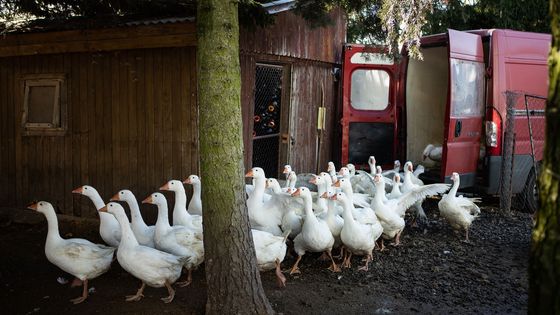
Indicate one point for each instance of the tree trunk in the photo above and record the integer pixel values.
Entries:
(234, 283)
(544, 273)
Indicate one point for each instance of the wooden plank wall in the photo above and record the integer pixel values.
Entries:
(132, 123)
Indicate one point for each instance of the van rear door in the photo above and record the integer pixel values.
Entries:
(369, 122)
(465, 106)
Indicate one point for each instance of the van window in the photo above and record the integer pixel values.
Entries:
(369, 89)
(467, 88)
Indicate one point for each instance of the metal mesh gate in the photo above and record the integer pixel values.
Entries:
(266, 120)
(525, 121)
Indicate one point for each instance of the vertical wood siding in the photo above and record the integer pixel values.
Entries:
(132, 124)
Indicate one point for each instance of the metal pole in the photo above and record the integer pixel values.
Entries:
(531, 137)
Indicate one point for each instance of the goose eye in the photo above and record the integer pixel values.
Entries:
(40, 203)
(85, 188)
(122, 192)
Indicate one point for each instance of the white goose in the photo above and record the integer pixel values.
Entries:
(357, 238)
(79, 257)
(287, 170)
(180, 214)
(153, 267)
(396, 191)
(432, 152)
(315, 234)
(109, 228)
(270, 251)
(177, 240)
(195, 205)
(259, 216)
(292, 210)
(333, 219)
(460, 212)
(143, 233)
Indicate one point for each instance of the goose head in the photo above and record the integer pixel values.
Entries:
(86, 190)
(302, 192)
(256, 172)
(371, 162)
(377, 181)
(113, 208)
(455, 176)
(326, 177)
(408, 167)
(273, 184)
(173, 185)
(339, 197)
(330, 167)
(287, 169)
(427, 151)
(123, 195)
(397, 165)
(396, 178)
(155, 199)
(378, 170)
(41, 206)
(351, 168)
(342, 183)
(191, 180)
(344, 171)
(315, 179)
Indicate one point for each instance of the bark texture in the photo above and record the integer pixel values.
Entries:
(544, 273)
(234, 283)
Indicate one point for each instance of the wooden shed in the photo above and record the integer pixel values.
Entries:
(115, 106)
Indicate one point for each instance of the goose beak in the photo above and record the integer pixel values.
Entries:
(187, 181)
(286, 171)
(164, 187)
(115, 198)
(296, 193)
(104, 209)
(313, 180)
(78, 190)
(333, 197)
(324, 195)
(266, 185)
(337, 184)
(249, 174)
(148, 199)
(410, 167)
(33, 206)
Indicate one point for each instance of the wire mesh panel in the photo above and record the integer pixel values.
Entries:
(266, 120)
(523, 148)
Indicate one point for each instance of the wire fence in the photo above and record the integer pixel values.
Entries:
(524, 135)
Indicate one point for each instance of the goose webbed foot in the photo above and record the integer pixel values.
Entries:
(171, 292)
(84, 296)
(280, 278)
(138, 296)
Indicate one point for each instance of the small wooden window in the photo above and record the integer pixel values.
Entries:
(44, 108)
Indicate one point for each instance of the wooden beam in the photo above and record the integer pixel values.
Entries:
(173, 35)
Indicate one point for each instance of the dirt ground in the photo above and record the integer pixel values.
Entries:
(433, 272)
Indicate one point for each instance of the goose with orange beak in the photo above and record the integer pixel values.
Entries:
(177, 240)
(79, 257)
(153, 267)
(315, 234)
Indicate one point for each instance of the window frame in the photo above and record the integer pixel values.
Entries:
(58, 124)
(388, 103)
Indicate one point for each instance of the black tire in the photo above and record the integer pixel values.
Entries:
(529, 195)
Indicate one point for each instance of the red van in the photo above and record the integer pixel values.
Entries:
(453, 98)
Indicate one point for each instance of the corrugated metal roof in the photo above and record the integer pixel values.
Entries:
(274, 7)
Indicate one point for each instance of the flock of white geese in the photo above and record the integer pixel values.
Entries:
(349, 209)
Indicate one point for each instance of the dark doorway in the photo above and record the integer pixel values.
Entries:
(267, 117)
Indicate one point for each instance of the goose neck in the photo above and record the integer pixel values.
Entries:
(180, 201)
(135, 213)
(127, 236)
(52, 223)
(454, 189)
(97, 201)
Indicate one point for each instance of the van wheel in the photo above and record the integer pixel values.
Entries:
(529, 194)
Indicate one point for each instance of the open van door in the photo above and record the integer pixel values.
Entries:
(369, 122)
(465, 107)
